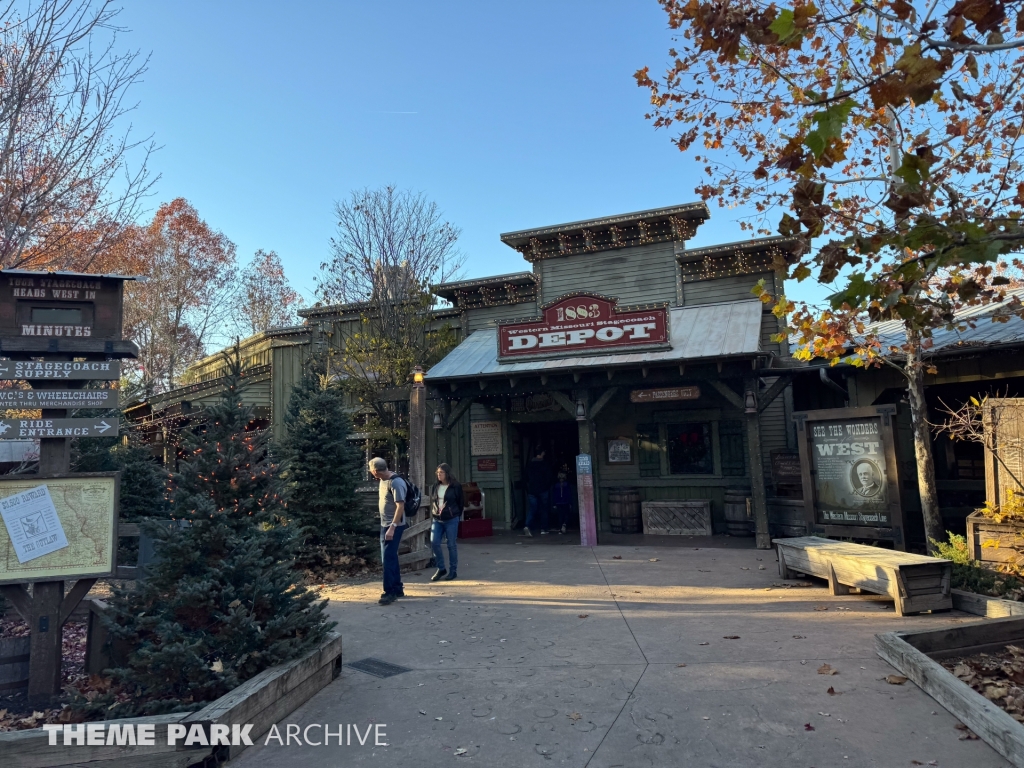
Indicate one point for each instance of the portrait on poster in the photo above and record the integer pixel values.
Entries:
(850, 474)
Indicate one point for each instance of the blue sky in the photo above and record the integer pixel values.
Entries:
(508, 115)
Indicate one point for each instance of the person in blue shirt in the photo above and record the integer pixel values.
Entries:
(562, 498)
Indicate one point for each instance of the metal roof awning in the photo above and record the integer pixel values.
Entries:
(709, 331)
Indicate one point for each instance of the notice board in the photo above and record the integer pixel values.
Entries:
(87, 507)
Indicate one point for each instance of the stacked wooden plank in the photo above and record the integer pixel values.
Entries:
(916, 583)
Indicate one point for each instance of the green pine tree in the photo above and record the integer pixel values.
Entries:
(322, 471)
(222, 602)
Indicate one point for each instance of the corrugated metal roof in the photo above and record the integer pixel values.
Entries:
(696, 333)
(985, 333)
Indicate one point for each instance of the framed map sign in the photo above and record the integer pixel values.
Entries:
(849, 472)
(56, 528)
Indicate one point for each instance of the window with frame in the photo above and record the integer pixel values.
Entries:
(690, 449)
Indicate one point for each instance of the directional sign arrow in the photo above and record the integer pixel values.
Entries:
(26, 429)
(10, 370)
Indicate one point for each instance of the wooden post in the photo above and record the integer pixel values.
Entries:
(761, 536)
(417, 534)
(44, 620)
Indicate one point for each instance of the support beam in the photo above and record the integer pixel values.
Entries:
(19, 598)
(759, 496)
(566, 402)
(45, 648)
(727, 392)
(73, 598)
(771, 393)
(602, 401)
(457, 412)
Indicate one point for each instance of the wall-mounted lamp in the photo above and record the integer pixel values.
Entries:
(417, 377)
(437, 420)
(581, 411)
(749, 402)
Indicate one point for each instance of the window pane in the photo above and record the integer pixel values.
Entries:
(689, 449)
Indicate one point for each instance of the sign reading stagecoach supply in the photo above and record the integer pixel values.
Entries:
(107, 370)
(583, 322)
(24, 429)
(58, 398)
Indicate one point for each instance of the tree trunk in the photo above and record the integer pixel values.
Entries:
(934, 530)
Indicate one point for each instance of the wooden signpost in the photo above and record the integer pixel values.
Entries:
(57, 331)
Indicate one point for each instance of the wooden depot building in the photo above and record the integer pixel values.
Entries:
(620, 342)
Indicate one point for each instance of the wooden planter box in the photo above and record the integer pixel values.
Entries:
(1007, 536)
(914, 654)
(983, 605)
(265, 699)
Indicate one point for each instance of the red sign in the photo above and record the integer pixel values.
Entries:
(486, 465)
(583, 321)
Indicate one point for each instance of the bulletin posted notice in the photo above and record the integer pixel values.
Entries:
(32, 523)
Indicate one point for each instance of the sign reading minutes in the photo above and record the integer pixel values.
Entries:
(851, 485)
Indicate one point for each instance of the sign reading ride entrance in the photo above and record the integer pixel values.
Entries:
(583, 322)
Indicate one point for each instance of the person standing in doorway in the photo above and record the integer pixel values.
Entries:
(538, 485)
(391, 504)
(446, 505)
(562, 497)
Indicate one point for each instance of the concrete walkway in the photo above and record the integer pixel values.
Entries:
(623, 656)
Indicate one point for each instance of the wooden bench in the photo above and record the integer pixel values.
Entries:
(915, 582)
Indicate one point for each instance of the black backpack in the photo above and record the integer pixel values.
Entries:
(413, 497)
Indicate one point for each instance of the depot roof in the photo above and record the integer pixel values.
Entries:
(729, 329)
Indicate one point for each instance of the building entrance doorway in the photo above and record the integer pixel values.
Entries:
(561, 443)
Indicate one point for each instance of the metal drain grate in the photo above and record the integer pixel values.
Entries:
(378, 668)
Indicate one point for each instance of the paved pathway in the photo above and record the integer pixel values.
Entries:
(619, 656)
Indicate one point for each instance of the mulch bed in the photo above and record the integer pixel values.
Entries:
(999, 677)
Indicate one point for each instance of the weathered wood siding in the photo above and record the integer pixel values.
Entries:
(733, 288)
(286, 373)
(492, 483)
(637, 275)
(485, 317)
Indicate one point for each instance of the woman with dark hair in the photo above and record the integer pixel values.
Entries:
(446, 504)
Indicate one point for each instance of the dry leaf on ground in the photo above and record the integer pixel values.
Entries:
(575, 716)
(730, 637)
(821, 607)
(895, 679)
(680, 665)
(832, 691)
(583, 616)
(616, 557)
(826, 669)
(654, 560)
(808, 727)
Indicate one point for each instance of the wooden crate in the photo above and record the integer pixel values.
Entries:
(916, 583)
(689, 517)
(914, 655)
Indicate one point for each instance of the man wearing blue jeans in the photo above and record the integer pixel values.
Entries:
(391, 504)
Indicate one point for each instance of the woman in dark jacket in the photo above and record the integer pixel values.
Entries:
(446, 504)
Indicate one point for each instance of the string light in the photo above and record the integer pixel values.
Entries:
(619, 235)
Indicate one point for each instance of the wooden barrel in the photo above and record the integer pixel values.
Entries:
(786, 518)
(737, 521)
(624, 510)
